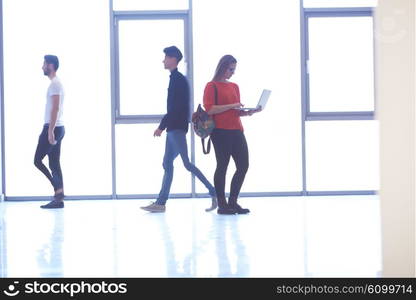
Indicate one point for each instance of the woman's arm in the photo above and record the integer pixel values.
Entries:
(217, 109)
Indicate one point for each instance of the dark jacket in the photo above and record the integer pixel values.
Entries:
(178, 106)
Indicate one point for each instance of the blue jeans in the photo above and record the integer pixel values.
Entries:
(176, 144)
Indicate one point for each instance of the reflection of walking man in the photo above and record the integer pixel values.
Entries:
(53, 132)
(176, 124)
(50, 255)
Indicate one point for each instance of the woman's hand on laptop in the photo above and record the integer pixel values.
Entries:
(248, 112)
(237, 105)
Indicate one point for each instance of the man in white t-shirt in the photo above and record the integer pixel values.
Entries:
(53, 132)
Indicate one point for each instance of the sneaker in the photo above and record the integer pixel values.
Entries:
(54, 204)
(214, 204)
(153, 207)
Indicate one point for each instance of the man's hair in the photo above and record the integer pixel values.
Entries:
(173, 51)
(52, 59)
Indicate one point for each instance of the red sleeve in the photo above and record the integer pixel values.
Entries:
(209, 96)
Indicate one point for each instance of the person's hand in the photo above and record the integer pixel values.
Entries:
(51, 138)
(157, 132)
(250, 112)
(237, 105)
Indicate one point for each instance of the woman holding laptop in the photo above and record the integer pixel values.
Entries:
(222, 101)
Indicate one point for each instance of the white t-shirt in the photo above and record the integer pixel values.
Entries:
(55, 88)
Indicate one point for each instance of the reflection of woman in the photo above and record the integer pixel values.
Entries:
(230, 263)
(221, 99)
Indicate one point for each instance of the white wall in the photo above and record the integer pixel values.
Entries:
(395, 75)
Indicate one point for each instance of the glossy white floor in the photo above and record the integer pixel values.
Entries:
(282, 237)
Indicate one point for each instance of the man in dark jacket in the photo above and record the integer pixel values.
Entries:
(176, 124)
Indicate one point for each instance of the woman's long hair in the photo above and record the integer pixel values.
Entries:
(223, 65)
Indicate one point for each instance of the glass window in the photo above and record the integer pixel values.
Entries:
(341, 69)
(143, 81)
(267, 51)
(150, 4)
(83, 50)
(342, 155)
(139, 158)
(340, 3)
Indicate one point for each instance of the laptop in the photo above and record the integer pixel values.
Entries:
(261, 104)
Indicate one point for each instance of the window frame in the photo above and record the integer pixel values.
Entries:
(117, 118)
(325, 13)
(140, 15)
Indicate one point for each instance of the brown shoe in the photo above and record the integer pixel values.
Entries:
(214, 204)
(153, 207)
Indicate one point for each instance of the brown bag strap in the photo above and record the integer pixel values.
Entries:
(208, 148)
(206, 151)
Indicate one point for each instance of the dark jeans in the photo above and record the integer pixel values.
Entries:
(227, 144)
(54, 153)
(176, 145)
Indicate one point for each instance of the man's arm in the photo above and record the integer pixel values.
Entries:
(54, 117)
(166, 118)
(162, 126)
(178, 107)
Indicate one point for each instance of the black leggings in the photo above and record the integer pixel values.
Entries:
(229, 143)
(54, 153)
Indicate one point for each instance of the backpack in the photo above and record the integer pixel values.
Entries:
(204, 124)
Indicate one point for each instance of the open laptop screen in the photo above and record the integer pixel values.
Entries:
(262, 101)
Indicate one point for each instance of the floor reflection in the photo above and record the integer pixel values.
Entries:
(49, 256)
(282, 237)
(3, 266)
(230, 249)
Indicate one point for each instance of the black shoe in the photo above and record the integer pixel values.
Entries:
(240, 210)
(226, 211)
(54, 204)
